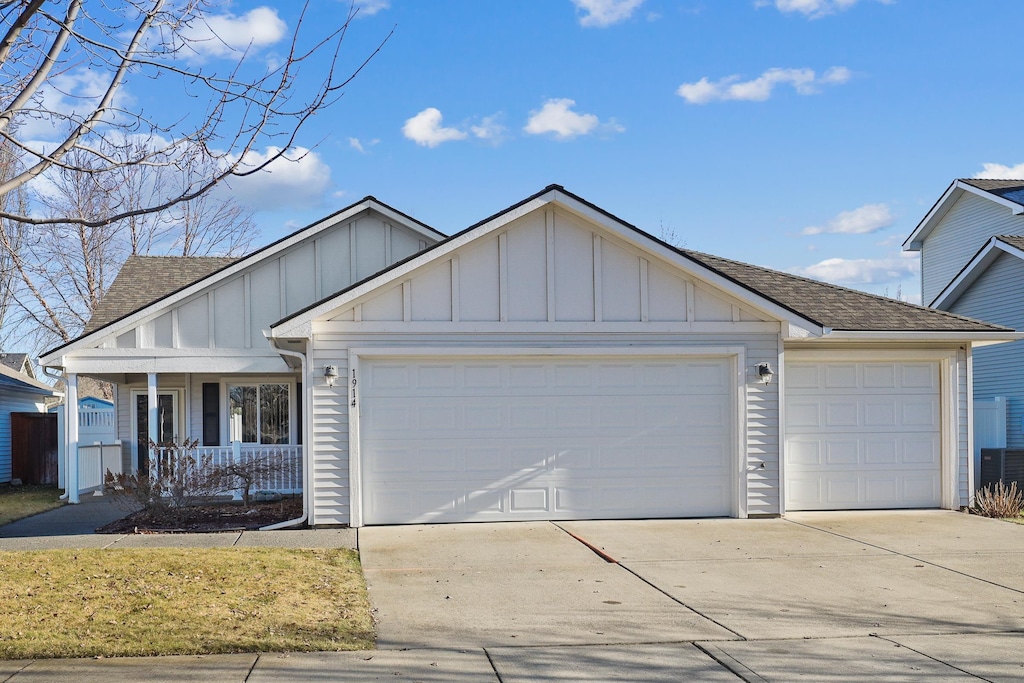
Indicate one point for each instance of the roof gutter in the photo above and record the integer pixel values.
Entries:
(60, 377)
(307, 440)
(976, 338)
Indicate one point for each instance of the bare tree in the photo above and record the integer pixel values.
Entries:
(120, 179)
(239, 109)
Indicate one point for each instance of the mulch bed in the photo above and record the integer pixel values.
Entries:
(208, 518)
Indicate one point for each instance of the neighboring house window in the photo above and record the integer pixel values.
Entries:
(259, 413)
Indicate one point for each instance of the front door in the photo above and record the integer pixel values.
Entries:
(167, 424)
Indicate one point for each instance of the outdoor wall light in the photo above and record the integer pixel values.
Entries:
(764, 373)
(331, 374)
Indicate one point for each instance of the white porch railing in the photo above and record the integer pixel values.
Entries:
(93, 462)
(285, 475)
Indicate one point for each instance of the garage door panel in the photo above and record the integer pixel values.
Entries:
(876, 446)
(560, 439)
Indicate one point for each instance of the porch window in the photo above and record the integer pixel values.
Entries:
(259, 413)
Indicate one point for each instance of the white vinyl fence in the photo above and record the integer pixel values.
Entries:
(282, 464)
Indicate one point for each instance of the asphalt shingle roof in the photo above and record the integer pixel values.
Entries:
(1007, 189)
(1013, 240)
(838, 307)
(144, 279)
(16, 362)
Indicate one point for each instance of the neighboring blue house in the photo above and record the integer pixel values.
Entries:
(19, 393)
(972, 264)
(93, 403)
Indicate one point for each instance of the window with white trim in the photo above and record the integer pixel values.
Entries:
(259, 413)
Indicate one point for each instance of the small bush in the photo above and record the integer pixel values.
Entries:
(176, 479)
(999, 500)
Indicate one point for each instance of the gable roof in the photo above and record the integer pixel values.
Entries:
(234, 266)
(979, 263)
(839, 308)
(13, 380)
(1008, 193)
(145, 279)
(19, 362)
(818, 305)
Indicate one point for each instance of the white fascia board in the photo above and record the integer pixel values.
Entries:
(301, 326)
(213, 361)
(932, 218)
(972, 271)
(157, 308)
(975, 338)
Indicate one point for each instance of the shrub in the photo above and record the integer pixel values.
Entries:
(245, 474)
(176, 479)
(999, 500)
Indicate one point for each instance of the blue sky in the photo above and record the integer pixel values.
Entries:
(804, 135)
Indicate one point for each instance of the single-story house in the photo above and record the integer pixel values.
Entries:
(550, 362)
(20, 392)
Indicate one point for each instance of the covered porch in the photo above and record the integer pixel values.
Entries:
(245, 412)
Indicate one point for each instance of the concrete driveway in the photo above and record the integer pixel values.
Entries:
(818, 596)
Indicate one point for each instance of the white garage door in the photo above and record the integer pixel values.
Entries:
(530, 439)
(862, 435)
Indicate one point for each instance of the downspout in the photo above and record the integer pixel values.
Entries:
(60, 378)
(307, 441)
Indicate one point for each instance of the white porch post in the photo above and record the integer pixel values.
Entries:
(71, 425)
(154, 417)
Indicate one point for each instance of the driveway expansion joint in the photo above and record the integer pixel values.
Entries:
(909, 557)
(749, 675)
(490, 660)
(593, 548)
(680, 602)
(889, 639)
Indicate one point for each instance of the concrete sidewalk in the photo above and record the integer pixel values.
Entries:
(73, 526)
(879, 597)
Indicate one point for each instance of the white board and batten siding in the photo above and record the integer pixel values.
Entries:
(232, 313)
(958, 236)
(875, 433)
(997, 297)
(548, 293)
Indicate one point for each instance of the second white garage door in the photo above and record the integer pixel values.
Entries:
(862, 435)
(545, 438)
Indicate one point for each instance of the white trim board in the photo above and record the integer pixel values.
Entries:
(244, 263)
(945, 202)
(985, 257)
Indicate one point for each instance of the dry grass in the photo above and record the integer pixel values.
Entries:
(18, 502)
(133, 602)
(999, 500)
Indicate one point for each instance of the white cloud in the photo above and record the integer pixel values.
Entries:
(1001, 172)
(227, 35)
(558, 118)
(297, 179)
(602, 13)
(842, 271)
(425, 129)
(812, 9)
(73, 94)
(804, 81)
(360, 146)
(864, 220)
(489, 129)
(367, 8)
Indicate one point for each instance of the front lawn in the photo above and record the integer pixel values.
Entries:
(133, 602)
(17, 502)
